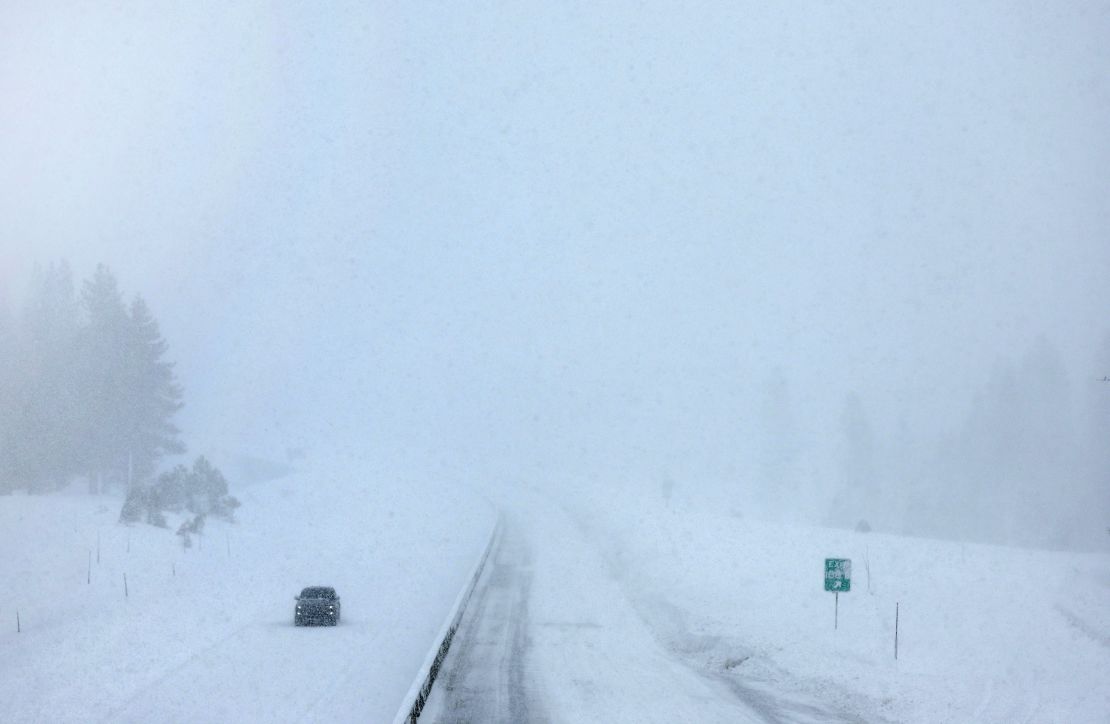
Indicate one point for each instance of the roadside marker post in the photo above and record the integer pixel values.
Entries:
(896, 605)
(838, 577)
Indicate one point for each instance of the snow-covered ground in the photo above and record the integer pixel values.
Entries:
(206, 634)
(986, 633)
(598, 606)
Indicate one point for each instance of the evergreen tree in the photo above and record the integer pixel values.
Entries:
(189, 528)
(211, 488)
(9, 388)
(41, 443)
(142, 502)
(153, 395)
(134, 505)
(174, 491)
(96, 398)
(201, 491)
(105, 441)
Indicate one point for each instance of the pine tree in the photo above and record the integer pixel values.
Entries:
(211, 487)
(44, 427)
(153, 395)
(173, 489)
(105, 441)
(8, 395)
(201, 491)
(131, 392)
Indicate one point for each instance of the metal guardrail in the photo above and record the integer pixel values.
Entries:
(417, 696)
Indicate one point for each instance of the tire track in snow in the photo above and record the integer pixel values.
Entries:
(1084, 627)
(666, 624)
(115, 714)
(485, 677)
(333, 686)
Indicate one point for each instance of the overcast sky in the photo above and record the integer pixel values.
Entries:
(569, 234)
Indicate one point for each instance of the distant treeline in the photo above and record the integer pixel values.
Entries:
(1025, 460)
(85, 388)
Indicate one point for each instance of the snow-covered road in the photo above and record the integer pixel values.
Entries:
(485, 676)
(551, 635)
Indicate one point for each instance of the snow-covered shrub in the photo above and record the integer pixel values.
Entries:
(190, 527)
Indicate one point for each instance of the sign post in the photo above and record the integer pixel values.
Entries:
(838, 577)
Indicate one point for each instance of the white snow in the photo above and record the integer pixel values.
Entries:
(207, 635)
(630, 238)
(640, 611)
(986, 633)
(558, 641)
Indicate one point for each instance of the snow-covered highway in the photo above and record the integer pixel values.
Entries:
(551, 635)
(649, 611)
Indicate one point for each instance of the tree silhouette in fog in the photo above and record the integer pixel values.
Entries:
(85, 387)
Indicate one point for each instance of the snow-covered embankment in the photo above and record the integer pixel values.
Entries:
(206, 634)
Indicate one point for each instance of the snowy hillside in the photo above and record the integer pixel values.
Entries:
(986, 633)
(206, 634)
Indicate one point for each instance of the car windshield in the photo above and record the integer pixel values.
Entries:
(325, 593)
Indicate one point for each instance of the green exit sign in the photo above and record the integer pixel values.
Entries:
(838, 574)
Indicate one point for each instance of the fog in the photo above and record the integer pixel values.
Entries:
(828, 262)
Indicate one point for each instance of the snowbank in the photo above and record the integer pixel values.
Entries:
(206, 634)
(986, 633)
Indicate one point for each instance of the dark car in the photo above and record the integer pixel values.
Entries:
(317, 605)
